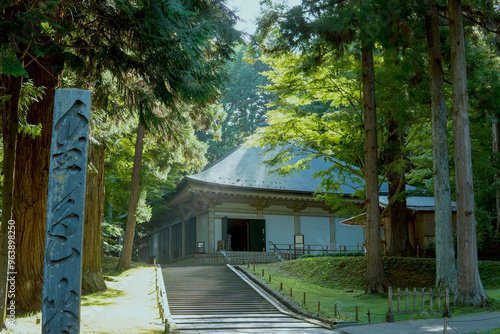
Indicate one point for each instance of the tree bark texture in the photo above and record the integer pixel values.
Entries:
(128, 241)
(469, 289)
(30, 191)
(375, 277)
(10, 125)
(496, 150)
(397, 236)
(92, 278)
(446, 273)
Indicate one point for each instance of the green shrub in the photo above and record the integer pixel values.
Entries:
(488, 243)
(333, 254)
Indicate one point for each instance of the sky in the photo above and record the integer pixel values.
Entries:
(248, 10)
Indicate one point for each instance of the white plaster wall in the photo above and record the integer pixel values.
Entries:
(217, 232)
(347, 235)
(316, 230)
(314, 211)
(203, 229)
(279, 229)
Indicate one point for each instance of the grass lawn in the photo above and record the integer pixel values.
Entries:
(338, 283)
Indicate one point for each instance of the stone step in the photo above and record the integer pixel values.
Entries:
(214, 299)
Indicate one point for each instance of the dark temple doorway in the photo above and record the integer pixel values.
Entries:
(244, 235)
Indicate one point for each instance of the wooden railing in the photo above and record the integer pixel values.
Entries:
(162, 302)
(233, 258)
(289, 251)
(418, 296)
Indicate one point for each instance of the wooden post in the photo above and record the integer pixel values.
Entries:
(335, 310)
(389, 317)
(423, 302)
(308, 249)
(445, 330)
(414, 299)
(263, 273)
(399, 299)
(357, 247)
(281, 286)
(439, 300)
(319, 306)
(406, 299)
(290, 292)
(254, 267)
(357, 317)
(430, 299)
(269, 278)
(304, 298)
(390, 299)
(447, 302)
(323, 250)
(340, 249)
(369, 318)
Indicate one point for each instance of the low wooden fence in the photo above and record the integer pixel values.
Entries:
(288, 252)
(234, 258)
(414, 296)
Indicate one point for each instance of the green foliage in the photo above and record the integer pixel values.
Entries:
(488, 243)
(29, 94)
(9, 63)
(111, 235)
(243, 102)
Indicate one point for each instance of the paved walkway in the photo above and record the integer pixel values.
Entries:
(214, 299)
(471, 323)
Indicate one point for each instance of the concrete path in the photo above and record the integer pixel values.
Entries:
(471, 323)
(214, 299)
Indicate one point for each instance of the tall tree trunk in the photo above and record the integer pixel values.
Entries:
(7, 231)
(92, 279)
(497, 174)
(30, 192)
(128, 242)
(470, 290)
(397, 236)
(446, 273)
(375, 277)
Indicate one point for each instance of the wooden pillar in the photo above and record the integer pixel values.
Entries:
(170, 243)
(183, 233)
(211, 231)
(296, 223)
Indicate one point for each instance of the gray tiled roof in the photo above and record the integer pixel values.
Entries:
(244, 167)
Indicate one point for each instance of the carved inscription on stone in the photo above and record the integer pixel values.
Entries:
(65, 212)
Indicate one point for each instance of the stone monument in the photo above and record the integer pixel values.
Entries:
(65, 212)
